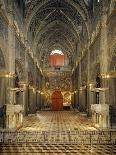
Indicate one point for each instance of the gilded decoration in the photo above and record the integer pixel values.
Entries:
(60, 81)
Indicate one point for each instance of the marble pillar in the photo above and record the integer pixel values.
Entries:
(104, 48)
(11, 45)
(10, 97)
(88, 83)
(32, 104)
(38, 100)
(89, 100)
(24, 97)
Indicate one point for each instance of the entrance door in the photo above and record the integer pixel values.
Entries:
(57, 101)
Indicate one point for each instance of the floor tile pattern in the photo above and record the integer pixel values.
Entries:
(57, 120)
(57, 149)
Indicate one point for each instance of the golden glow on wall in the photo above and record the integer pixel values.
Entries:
(66, 98)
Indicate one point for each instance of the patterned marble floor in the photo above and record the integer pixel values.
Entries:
(57, 120)
(58, 149)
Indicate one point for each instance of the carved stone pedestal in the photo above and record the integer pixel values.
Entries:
(14, 116)
(100, 115)
(100, 108)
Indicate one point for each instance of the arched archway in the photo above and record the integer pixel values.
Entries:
(57, 101)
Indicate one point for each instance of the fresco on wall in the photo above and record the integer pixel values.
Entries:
(60, 81)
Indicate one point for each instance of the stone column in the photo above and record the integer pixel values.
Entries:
(11, 44)
(88, 84)
(76, 99)
(26, 84)
(32, 107)
(24, 87)
(40, 105)
(42, 101)
(74, 88)
(11, 64)
(38, 100)
(80, 83)
(35, 86)
(103, 47)
(40, 88)
(38, 93)
(26, 99)
(104, 54)
(11, 53)
(72, 100)
(34, 99)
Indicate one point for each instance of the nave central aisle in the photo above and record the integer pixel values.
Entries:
(58, 133)
(57, 121)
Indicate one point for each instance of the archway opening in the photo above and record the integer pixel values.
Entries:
(57, 58)
(57, 101)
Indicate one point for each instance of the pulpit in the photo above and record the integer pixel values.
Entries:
(100, 111)
(13, 112)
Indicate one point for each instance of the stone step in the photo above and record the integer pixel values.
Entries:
(57, 149)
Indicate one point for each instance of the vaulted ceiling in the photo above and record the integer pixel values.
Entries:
(55, 24)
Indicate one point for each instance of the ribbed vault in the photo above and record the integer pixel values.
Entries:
(55, 24)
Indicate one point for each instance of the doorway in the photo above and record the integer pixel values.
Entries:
(57, 101)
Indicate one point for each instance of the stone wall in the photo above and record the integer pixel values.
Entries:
(20, 75)
(97, 59)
